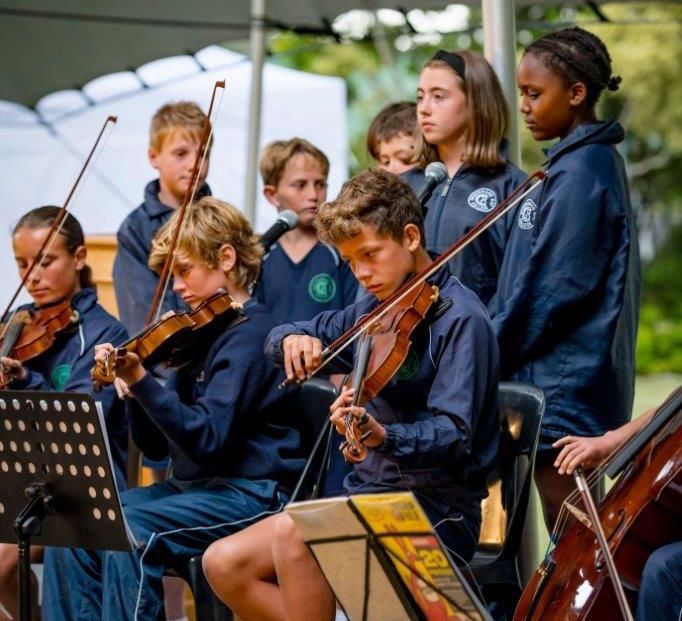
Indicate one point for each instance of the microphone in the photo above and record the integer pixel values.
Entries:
(286, 220)
(435, 173)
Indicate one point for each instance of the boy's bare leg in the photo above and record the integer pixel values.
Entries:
(241, 571)
(304, 590)
(9, 582)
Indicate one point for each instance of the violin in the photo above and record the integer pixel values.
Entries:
(392, 323)
(641, 512)
(30, 332)
(169, 340)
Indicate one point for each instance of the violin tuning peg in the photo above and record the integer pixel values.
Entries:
(365, 435)
(364, 419)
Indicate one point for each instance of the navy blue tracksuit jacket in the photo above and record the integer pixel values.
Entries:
(65, 367)
(134, 281)
(439, 410)
(319, 282)
(227, 418)
(567, 306)
(458, 204)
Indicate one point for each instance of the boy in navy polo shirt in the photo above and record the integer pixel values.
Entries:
(174, 137)
(222, 419)
(300, 277)
(434, 426)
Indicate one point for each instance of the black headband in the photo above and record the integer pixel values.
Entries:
(454, 60)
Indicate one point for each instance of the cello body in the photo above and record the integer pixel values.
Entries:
(642, 512)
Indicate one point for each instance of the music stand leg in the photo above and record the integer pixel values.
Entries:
(29, 524)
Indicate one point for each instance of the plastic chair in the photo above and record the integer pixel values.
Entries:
(496, 571)
(315, 397)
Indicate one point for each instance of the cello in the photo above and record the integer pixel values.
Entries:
(641, 512)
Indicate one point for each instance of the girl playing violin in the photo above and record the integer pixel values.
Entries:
(462, 118)
(63, 275)
(567, 305)
(434, 427)
(221, 419)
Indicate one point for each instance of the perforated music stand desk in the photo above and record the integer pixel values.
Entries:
(57, 486)
(383, 560)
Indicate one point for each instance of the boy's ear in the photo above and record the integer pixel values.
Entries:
(270, 193)
(413, 237)
(228, 257)
(152, 155)
(578, 94)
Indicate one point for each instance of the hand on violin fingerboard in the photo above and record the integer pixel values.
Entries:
(366, 422)
(11, 370)
(302, 354)
(128, 366)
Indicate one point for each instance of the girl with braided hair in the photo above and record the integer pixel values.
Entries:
(567, 304)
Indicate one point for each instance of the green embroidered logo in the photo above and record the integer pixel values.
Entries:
(322, 288)
(60, 375)
(408, 368)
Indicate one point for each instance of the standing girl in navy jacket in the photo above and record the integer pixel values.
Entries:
(567, 305)
(463, 116)
(65, 366)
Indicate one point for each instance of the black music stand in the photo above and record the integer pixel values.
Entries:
(57, 486)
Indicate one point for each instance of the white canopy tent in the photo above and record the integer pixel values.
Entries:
(40, 161)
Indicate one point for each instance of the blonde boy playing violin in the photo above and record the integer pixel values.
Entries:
(434, 427)
(221, 419)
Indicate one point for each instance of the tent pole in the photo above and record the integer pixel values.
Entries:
(499, 32)
(257, 53)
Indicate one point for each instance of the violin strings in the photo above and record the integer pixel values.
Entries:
(169, 274)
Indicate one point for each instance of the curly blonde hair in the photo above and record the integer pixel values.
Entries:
(209, 224)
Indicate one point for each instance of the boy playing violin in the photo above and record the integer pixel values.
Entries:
(221, 419)
(434, 426)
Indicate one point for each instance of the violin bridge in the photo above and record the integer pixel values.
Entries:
(580, 515)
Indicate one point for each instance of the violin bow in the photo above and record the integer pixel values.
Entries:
(58, 223)
(192, 187)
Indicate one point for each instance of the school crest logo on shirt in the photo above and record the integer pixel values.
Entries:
(527, 213)
(408, 368)
(322, 288)
(60, 375)
(483, 199)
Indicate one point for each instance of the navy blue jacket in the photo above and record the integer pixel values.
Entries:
(439, 410)
(134, 281)
(458, 204)
(567, 308)
(321, 281)
(65, 367)
(226, 418)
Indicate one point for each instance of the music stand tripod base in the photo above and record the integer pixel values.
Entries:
(56, 477)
